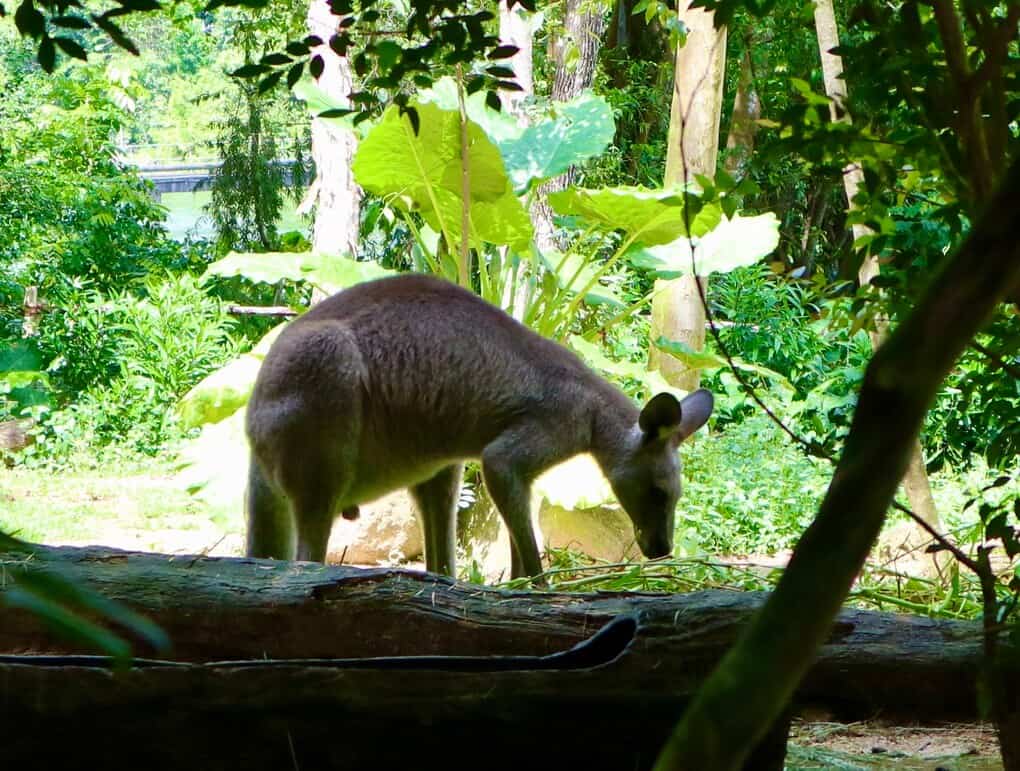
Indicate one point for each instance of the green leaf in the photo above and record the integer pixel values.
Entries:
(70, 22)
(250, 71)
(574, 272)
(337, 112)
(499, 126)
(221, 393)
(276, 59)
(733, 243)
(580, 129)
(647, 216)
(19, 356)
(29, 20)
(214, 466)
(47, 54)
(61, 603)
(70, 47)
(422, 172)
(706, 360)
(330, 273)
(12, 379)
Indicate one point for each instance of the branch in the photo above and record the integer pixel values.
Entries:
(262, 310)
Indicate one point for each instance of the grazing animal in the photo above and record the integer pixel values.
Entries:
(395, 383)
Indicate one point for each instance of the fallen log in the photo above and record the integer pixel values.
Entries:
(224, 615)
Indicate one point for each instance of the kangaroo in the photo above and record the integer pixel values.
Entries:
(396, 382)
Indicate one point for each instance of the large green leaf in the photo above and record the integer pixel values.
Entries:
(567, 134)
(225, 391)
(652, 380)
(649, 217)
(422, 172)
(19, 356)
(576, 131)
(214, 466)
(328, 272)
(499, 126)
(733, 243)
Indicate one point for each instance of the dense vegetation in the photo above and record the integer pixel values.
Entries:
(129, 327)
(117, 343)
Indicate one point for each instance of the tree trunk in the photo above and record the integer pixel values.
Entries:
(334, 193)
(693, 148)
(744, 120)
(915, 480)
(584, 24)
(761, 673)
(217, 609)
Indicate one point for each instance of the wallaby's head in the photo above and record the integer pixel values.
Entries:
(646, 479)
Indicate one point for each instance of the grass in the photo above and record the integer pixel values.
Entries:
(137, 507)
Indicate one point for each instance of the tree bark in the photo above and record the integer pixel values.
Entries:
(693, 148)
(754, 682)
(915, 480)
(335, 194)
(217, 609)
(744, 120)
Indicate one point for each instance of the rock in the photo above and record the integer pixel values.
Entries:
(603, 532)
(386, 532)
(901, 549)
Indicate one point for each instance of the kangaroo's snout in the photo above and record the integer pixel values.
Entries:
(655, 546)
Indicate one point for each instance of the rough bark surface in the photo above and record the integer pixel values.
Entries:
(693, 148)
(218, 609)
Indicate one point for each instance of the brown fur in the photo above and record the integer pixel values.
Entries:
(395, 383)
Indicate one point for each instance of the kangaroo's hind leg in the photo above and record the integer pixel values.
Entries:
(437, 503)
(270, 524)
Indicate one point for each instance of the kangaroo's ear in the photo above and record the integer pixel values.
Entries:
(696, 409)
(661, 417)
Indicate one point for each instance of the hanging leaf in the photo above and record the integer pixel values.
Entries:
(330, 273)
(225, 391)
(580, 129)
(647, 216)
(732, 243)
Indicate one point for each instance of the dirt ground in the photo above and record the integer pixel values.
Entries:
(951, 746)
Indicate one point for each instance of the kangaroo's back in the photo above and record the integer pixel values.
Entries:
(436, 363)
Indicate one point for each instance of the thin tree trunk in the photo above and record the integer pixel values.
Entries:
(744, 121)
(915, 481)
(693, 148)
(336, 195)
